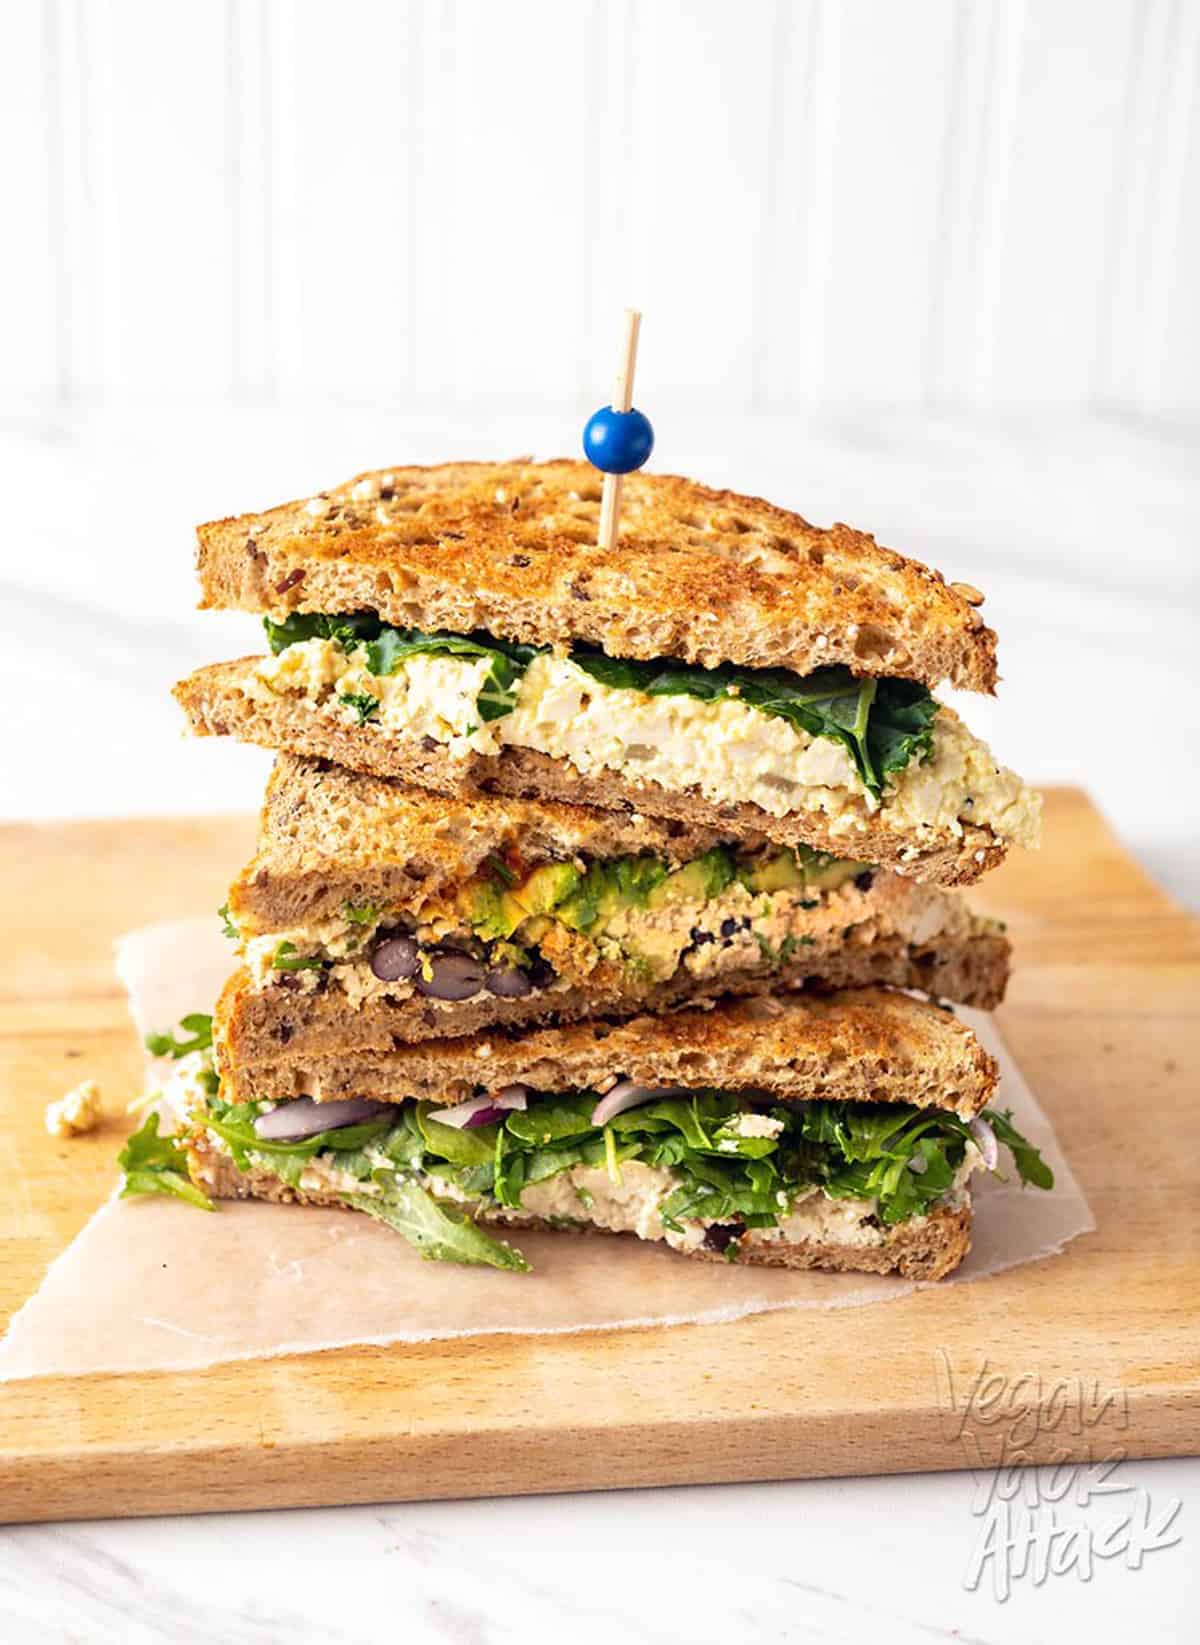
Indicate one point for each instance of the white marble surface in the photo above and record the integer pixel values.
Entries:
(1083, 535)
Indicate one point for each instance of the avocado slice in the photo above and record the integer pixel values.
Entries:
(545, 888)
(696, 881)
(823, 872)
(483, 904)
(776, 871)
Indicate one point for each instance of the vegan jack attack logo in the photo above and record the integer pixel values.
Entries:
(1069, 1509)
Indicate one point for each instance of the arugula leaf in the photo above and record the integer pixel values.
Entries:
(882, 724)
(228, 928)
(1031, 1167)
(197, 1024)
(158, 1165)
(363, 704)
(287, 957)
(438, 1234)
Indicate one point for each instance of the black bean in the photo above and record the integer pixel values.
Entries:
(728, 927)
(394, 959)
(507, 982)
(865, 880)
(453, 975)
(722, 1235)
(699, 938)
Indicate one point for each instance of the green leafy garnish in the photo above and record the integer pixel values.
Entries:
(287, 957)
(440, 1235)
(507, 662)
(883, 724)
(363, 704)
(1031, 1167)
(158, 1165)
(198, 1025)
(228, 928)
(310, 625)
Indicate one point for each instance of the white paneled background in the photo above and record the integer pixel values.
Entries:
(928, 266)
(950, 203)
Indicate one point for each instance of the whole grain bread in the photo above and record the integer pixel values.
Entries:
(328, 837)
(256, 1025)
(925, 1248)
(219, 701)
(707, 576)
(860, 1045)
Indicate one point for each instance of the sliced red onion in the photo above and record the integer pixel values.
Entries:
(985, 1141)
(465, 1116)
(302, 1117)
(627, 1095)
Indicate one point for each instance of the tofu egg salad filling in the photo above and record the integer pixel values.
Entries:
(700, 1169)
(624, 924)
(825, 743)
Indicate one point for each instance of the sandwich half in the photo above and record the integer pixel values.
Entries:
(831, 1132)
(727, 665)
(376, 913)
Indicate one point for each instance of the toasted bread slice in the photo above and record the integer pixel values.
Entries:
(706, 576)
(923, 1248)
(328, 836)
(864, 1045)
(227, 699)
(345, 862)
(257, 1023)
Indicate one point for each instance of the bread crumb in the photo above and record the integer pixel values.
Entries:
(77, 1112)
(966, 592)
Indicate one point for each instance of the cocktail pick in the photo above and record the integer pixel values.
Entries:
(618, 439)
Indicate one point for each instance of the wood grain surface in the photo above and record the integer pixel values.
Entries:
(1090, 1354)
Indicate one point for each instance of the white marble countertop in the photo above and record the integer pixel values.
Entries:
(1083, 535)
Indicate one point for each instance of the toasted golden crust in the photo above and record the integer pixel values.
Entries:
(708, 576)
(929, 1248)
(861, 1045)
(256, 1025)
(217, 702)
(328, 836)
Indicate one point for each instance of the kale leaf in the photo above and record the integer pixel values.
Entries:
(298, 626)
(508, 662)
(158, 1165)
(883, 724)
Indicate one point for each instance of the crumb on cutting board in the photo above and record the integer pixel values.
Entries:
(77, 1112)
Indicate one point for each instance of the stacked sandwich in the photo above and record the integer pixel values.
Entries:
(601, 889)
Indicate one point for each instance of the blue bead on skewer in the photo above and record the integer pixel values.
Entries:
(617, 442)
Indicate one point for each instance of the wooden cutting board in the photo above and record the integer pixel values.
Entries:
(1083, 1355)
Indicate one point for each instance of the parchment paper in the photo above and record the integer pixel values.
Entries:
(155, 1285)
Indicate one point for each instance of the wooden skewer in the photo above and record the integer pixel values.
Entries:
(610, 499)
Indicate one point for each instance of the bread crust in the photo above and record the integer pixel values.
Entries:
(217, 703)
(707, 576)
(860, 1045)
(929, 1249)
(255, 1025)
